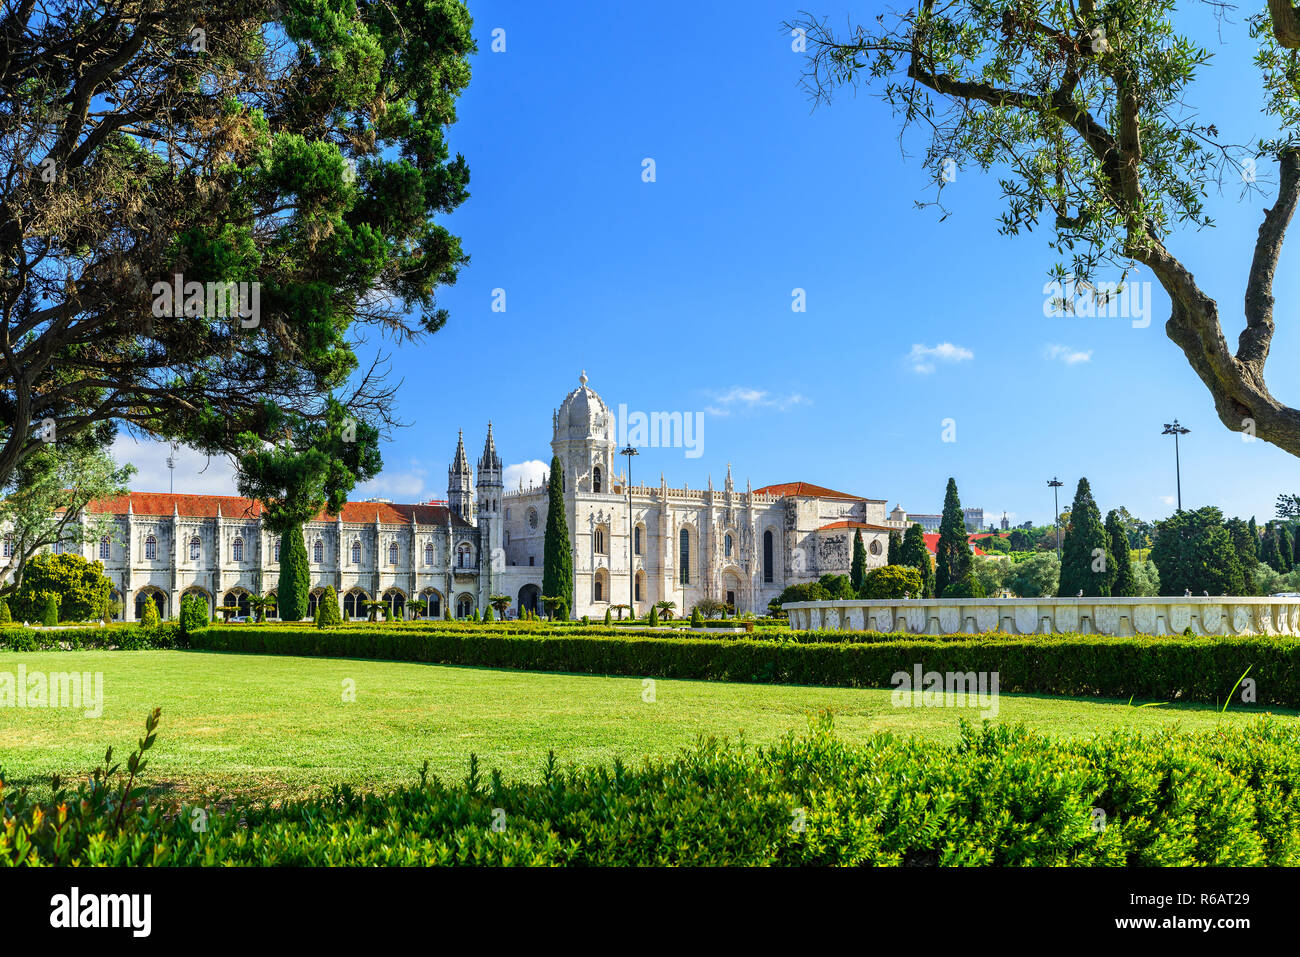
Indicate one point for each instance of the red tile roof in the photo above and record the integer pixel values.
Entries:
(233, 506)
(807, 489)
(846, 524)
(932, 543)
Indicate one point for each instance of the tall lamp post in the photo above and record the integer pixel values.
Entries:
(631, 532)
(1176, 430)
(1056, 483)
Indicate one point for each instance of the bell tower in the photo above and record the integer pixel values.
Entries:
(460, 483)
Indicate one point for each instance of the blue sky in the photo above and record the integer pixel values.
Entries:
(676, 295)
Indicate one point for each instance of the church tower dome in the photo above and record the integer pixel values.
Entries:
(583, 439)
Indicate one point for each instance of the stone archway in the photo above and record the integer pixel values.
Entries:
(530, 599)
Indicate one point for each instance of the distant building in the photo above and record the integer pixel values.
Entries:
(974, 518)
(1005, 523)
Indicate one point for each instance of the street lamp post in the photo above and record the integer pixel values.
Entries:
(1055, 483)
(631, 532)
(1176, 430)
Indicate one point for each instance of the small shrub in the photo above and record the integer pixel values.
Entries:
(5, 616)
(194, 613)
(150, 619)
(654, 616)
(488, 616)
(50, 610)
(968, 586)
(696, 619)
(892, 581)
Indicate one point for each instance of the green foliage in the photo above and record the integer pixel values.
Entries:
(1123, 584)
(557, 551)
(328, 607)
(968, 586)
(293, 591)
(150, 621)
(1194, 552)
(81, 587)
(894, 554)
(5, 615)
(696, 619)
(1246, 544)
(127, 637)
(991, 573)
(194, 614)
(858, 569)
(49, 609)
(609, 618)
(1010, 797)
(487, 614)
(892, 581)
(1035, 577)
(953, 554)
(838, 587)
(654, 616)
(475, 617)
(1087, 565)
(913, 552)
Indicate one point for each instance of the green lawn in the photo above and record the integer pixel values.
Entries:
(269, 726)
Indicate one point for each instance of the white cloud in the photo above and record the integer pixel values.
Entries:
(532, 472)
(1168, 499)
(403, 486)
(923, 358)
(749, 399)
(195, 472)
(1068, 354)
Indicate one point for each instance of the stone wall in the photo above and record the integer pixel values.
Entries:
(1040, 616)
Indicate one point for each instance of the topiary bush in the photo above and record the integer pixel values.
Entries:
(892, 581)
(327, 609)
(654, 616)
(194, 613)
(5, 616)
(150, 619)
(696, 619)
(49, 610)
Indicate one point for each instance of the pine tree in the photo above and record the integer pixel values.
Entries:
(894, 555)
(294, 589)
(557, 560)
(150, 619)
(953, 556)
(1285, 548)
(1122, 582)
(1085, 551)
(1268, 548)
(858, 570)
(914, 553)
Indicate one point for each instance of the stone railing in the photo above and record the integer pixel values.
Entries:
(1042, 616)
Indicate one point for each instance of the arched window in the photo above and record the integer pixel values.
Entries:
(392, 553)
(640, 577)
(463, 556)
(599, 593)
(277, 549)
(595, 479)
(356, 553)
(104, 547)
(464, 606)
(767, 555)
(237, 550)
(150, 548)
(318, 552)
(600, 541)
(428, 553)
(726, 545)
(636, 540)
(196, 548)
(684, 543)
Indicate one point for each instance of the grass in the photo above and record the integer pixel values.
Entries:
(268, 727)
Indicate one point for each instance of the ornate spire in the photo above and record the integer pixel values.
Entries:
(490, 459)
(461, 465)
(582, 379)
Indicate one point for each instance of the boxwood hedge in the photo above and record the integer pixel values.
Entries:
(1166, 668)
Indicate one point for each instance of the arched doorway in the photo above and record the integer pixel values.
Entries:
(313, 602)
(432, 601)
(396, 601)
(465, 605)
(731, 593)
(238, 598)
(115, 595)
(156, 595)
(354, 603)
(194, 591)
(530, 599)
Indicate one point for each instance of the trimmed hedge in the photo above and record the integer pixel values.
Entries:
(1167, 668)
(1001, 796)
(125, 637)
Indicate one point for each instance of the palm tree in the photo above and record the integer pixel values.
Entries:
(259, 604)
(500, 603)
(665, 608)
(711, 607)
(620, 609)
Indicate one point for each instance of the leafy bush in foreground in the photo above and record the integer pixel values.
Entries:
(1002, 796)
(128, 637)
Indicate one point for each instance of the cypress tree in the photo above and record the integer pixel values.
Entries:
(327, 609)
(5, 615)
(914, 553)
(953, 556)
(557, 561)
(654, 616)
(1247, 549)
(894, 555)
(858, 571)
(1122, 582)
(1285, 548)
(1268, 548)
(1085, 552)
(294, 589)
